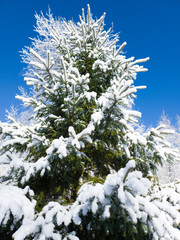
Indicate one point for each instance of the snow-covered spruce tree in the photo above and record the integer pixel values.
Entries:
(83, 158)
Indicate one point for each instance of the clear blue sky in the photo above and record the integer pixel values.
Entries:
(150, 28)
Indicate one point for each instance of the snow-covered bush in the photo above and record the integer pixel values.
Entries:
(88, 166)
(122, 208)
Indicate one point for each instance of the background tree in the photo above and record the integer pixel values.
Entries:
(170, 170)
(82, 99)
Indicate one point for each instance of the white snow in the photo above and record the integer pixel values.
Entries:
(13, 201)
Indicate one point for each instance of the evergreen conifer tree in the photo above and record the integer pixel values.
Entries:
(82, 169)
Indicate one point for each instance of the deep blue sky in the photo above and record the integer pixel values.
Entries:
(150, 28)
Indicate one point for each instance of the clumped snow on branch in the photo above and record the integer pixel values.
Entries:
(16, 206)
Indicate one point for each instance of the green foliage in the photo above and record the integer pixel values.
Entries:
(116, 228)
(7, 230)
